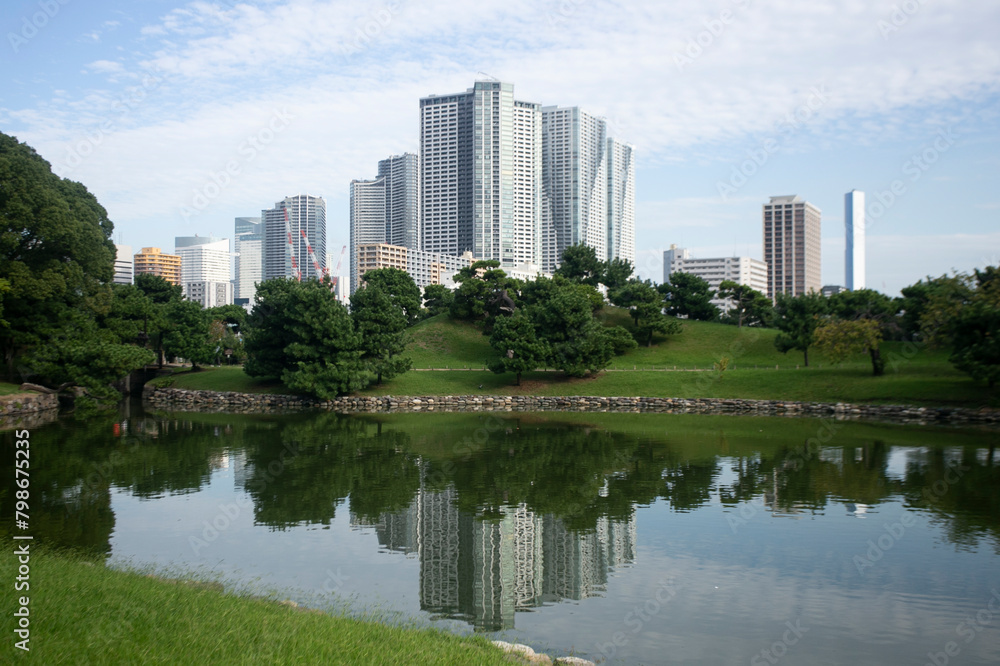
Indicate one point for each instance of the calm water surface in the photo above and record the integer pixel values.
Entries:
(642, 538)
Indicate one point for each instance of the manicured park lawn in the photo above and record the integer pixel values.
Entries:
(755, 370)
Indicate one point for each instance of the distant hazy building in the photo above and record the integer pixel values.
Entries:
(205, 269)
(248, 245)
(829, 290)
(741, 270)
(151, 260)
(480, 174)
(291, 228)
(854, 251)
(123, 264)
(792, 246)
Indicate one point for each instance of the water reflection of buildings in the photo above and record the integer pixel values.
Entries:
(483, 570)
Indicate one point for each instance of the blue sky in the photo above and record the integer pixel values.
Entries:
(181, 116)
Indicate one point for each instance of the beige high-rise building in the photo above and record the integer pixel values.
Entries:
(152, 260)
(792, 246)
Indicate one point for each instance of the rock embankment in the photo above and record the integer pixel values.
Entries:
(224, 401)
(27, 410)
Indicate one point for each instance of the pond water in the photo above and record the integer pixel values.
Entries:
(637, 538)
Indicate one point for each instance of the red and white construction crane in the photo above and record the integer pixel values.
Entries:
(336, 274)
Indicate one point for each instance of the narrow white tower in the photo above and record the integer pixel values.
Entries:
(854, 252)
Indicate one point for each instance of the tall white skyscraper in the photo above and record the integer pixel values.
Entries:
(387, 209)
(854, 252)
(205, 269)
(305, 224)
(621, 201)
(368, 224)
(401, 174)
(480, 174)
(574, 183)
(248, 245)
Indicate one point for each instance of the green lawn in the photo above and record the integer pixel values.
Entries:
(84, 613)
(756, 370)
(7, 388)
(224, 378)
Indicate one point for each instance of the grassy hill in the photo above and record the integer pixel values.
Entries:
(457, 352)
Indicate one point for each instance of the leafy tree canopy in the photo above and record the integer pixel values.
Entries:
(400, 288)
(517, 347)
(382, 327)
(797, 318)
(300, 333)
(688, 295)
(842, 338)
(750, 307)
(579, 263)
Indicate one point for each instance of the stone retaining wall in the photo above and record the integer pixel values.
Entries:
(26, 410)
(223, 401)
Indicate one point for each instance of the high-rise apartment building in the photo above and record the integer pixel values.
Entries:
(291, 228)
(367, 220)
(854, 251)
(152, 260)
(792, 246)
(621, 201)
(480, 174)
(123, 264)
(248, 245)
(741, 270)
(575, 183)
(401, 176)
(387, 209)
(205, 269)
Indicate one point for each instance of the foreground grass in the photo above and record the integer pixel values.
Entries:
(83, 613)
(6, 388)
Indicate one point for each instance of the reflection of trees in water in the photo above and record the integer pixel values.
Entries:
(797, 479)
(298, 469)
(960, 487)
(300, 476)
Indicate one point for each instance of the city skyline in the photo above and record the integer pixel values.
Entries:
(176, 127)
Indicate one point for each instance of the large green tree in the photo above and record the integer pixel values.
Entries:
(382, 327)
(579, 263)
(578, 344)
(517, 347)
(186, 334)
(437, 299)
(645, 305)
(400, 288)
(688, 295)
(56, 267)
(797, 317)
(872, 306)
(616, 273)
(974, 331)
(299, 332)
(841, 338)
(750, 307)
